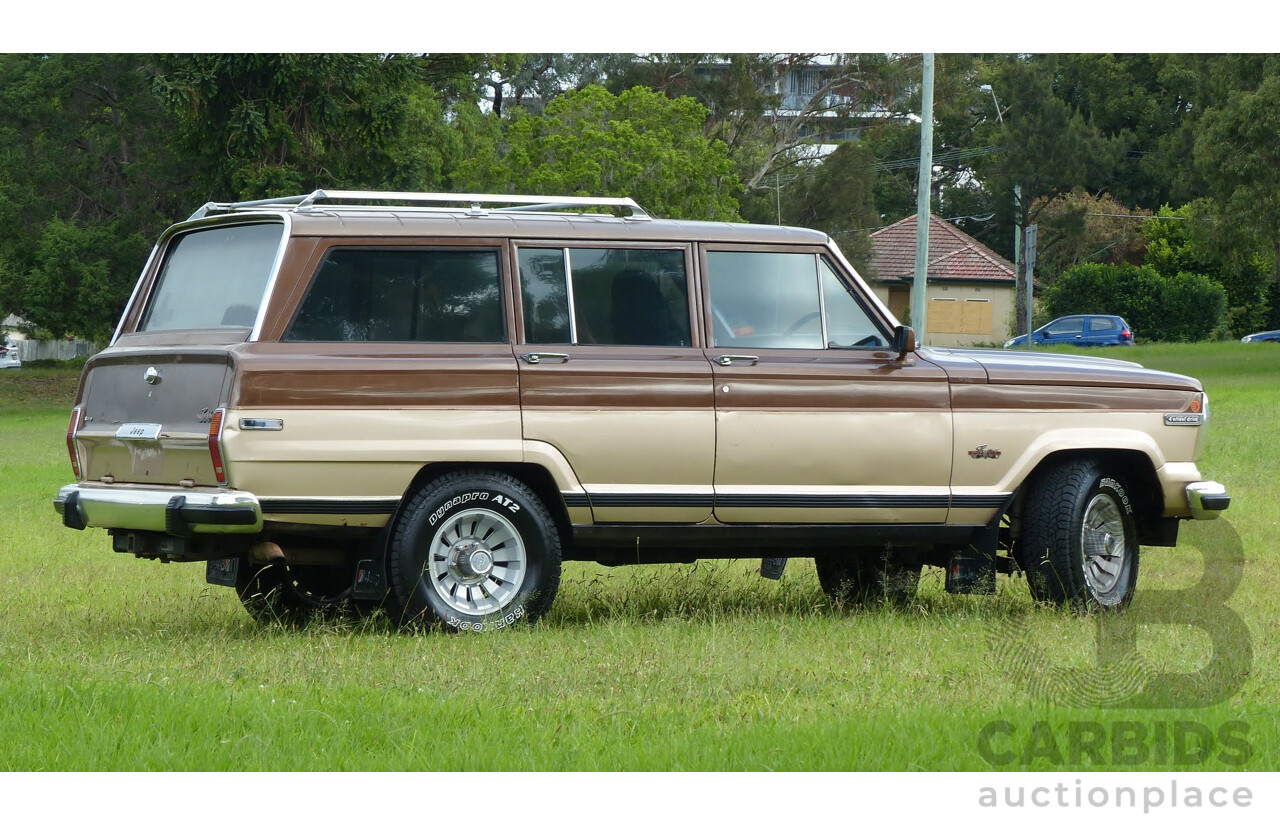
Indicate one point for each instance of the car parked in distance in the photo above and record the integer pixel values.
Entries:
(1080, 331)
(8, 354)
(1272, 335)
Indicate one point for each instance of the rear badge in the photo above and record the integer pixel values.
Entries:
(151, 376)
(1183, 419)
(983, 451)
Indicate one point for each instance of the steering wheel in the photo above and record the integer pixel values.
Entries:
(804, 319)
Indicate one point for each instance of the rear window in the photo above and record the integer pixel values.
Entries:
(214, 278)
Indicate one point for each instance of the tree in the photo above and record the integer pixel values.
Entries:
(1078, 228)
(836, 196)
(1238, 150)
(89, 179)
(773, 110)
(639, 144)
(263, 125)
(1045, 147)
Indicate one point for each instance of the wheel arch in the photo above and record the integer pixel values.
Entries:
(535, 476)
(1137, 473)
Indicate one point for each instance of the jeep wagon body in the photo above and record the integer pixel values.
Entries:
(429, 402)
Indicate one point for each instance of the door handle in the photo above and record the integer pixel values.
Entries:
(730, 360)
(536, 357)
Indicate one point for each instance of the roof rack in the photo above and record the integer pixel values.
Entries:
(514, 203)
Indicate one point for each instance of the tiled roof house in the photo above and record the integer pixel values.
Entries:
(971, 288)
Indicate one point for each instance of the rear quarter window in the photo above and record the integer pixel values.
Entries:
(404, 295)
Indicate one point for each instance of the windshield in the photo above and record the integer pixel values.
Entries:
(214, 278)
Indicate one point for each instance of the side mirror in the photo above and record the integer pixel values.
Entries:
(904, 340)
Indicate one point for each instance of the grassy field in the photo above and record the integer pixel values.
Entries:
(110, 663)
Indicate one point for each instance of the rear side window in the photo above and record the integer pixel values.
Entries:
(613, 297)
(1102, 324)
(214, 278)
(430, 295)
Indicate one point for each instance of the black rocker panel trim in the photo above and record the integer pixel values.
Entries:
(328, 506)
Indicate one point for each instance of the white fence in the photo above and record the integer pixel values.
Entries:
(57, 350)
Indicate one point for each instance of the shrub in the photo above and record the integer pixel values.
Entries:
(1185, 307)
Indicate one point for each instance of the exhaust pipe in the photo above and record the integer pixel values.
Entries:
(267, 552)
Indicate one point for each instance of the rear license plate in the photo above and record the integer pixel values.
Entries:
(139, 432)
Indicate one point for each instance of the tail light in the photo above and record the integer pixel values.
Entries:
(73, 426)
(215, 446)
(1126, 334)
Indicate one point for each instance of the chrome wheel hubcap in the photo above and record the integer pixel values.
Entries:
(1102, 539)
(477, 562)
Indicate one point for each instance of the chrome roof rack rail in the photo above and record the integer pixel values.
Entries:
(475, 203)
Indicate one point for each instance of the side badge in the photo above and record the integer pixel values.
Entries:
(983, 451)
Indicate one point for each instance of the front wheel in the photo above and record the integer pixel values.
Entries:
(1079, 542)
(474, 550)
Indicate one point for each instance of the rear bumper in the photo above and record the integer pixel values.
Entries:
(178, 512)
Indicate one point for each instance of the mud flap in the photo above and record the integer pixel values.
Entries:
(971, 568)
(371, 580)
(772, 568)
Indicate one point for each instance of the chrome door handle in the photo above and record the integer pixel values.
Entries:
(536, 357)
(730, 360)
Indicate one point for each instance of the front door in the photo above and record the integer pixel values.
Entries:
(817, 419)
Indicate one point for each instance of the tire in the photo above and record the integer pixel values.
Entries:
(296, 595)
(473, 550)
(867, 579)
(1079, 542)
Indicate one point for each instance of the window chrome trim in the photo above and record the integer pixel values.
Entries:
(568, 294)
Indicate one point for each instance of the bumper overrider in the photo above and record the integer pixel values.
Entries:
(175, 512)
(1207, 499)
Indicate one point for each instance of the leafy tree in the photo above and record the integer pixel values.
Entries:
(639, 144)
(1238, 149)
(836, 196)
(263, 125)
(89, 179)
(1195, 239)
(1078, 228)
(1045, 148)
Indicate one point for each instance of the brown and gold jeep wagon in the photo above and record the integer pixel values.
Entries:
(431, 401)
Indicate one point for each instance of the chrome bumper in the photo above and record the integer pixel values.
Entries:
(177, 512)
(1207, 499)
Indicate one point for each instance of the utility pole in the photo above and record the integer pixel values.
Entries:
(924, 186)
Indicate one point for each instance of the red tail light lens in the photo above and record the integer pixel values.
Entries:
(73, 426)
(215, 446)
(1126, 334)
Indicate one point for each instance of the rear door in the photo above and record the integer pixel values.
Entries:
(817, 419)
(613, 378)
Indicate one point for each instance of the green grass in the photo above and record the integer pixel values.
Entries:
(111, 663)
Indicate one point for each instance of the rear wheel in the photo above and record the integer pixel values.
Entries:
(474, 550)
(1079, 537)
(868, 578)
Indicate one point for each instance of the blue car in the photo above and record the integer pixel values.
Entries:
(1080, 331)
(1273, 335)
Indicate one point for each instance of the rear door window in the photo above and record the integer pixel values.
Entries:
(403, 295)
(607, 297)
(214, 278)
